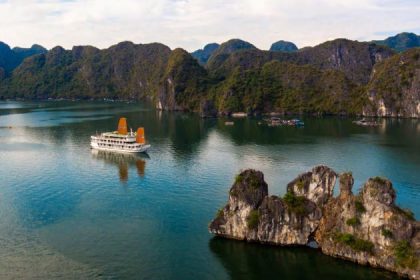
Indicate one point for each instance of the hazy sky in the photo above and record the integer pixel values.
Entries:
(192, 23)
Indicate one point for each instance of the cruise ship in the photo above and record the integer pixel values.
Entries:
(121, 140)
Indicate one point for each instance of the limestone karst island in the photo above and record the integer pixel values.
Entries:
(174, 139)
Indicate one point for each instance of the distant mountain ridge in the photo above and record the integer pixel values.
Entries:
(283, 46)
(203, 55)
(227, 48)
(401, 42)
(11, 58)
(336, 77)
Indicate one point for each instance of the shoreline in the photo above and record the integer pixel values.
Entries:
(231, 115)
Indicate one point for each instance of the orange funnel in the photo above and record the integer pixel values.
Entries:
(140, 136)
(122, 126)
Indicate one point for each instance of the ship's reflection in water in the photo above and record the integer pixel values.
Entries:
(123, 162)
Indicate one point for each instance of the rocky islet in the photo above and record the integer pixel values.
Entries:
(367, 228)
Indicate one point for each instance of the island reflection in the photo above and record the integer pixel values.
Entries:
(123, 162)
(244, 260)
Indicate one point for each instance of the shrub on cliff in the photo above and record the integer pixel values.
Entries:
(387, 233)
(353, 222)
(359, 207)
(253, 219)
(296, 204)
(405, 255)
(355, 243)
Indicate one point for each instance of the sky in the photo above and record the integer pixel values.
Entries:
(191, 24)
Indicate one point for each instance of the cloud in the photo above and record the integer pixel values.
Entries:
(192, 23)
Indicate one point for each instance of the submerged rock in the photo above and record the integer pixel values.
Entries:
(367, 228)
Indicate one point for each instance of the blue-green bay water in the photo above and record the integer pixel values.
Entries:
(69, 212)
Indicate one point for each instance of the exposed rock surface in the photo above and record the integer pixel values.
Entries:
(367, 228)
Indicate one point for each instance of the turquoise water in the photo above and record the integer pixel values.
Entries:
(67, 211)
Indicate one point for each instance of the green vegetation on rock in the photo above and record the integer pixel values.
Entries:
(220, 213)
(300, 185)
(379, 180)
(238, 178)
(251, 179)
(253, 219)
(405, 255)
(353, 242)
(296, 204)
(386, 233)
(353, 222)
(359, 207)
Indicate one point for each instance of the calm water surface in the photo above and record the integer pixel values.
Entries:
(67, 211)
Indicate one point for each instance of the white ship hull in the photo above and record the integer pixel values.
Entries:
(140, 149)
(114, 142)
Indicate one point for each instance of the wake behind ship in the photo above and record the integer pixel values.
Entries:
(121, 140)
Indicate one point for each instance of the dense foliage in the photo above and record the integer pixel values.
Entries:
(124, 71)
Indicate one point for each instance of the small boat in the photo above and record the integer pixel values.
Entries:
(121, 140)
(229, 123)
(274, 121)
(297, 122)
(239, 115)
(364, 122)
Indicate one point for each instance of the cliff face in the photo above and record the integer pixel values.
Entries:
(367, 228)
(355, 59)
(183, 85)
(394, 89)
